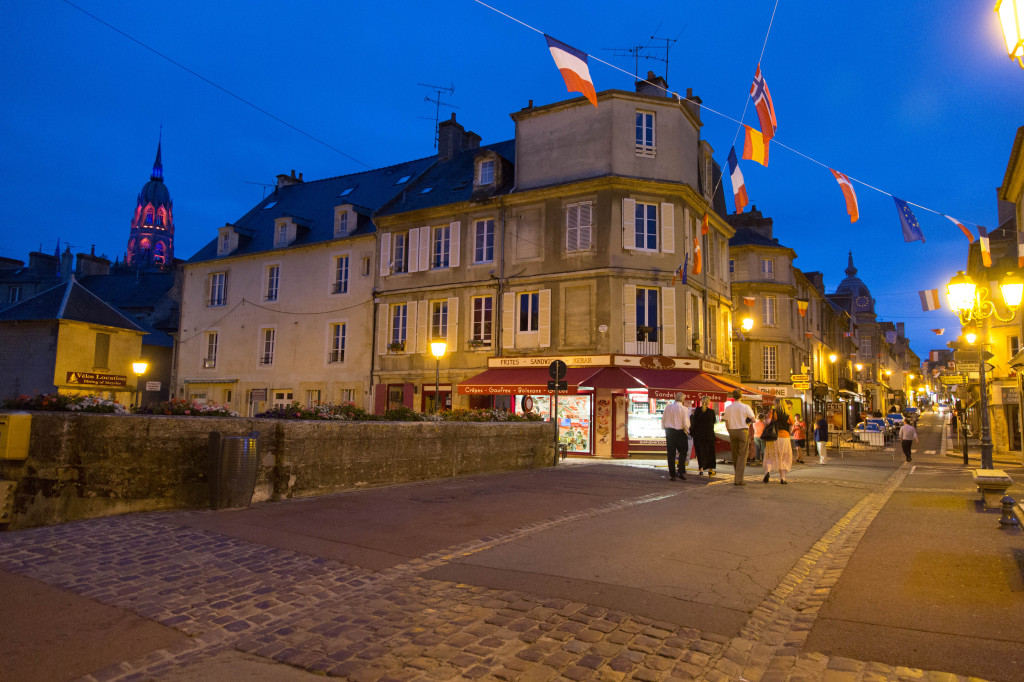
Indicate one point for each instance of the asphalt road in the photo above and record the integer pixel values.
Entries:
(865, 568)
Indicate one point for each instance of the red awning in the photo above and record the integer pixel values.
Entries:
(748, 393)
(520, 381)
(663, 384)
(611, 377)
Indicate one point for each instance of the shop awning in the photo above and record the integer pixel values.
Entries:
(663, 384)
(611, 377)
(521, 381)
(748, 393)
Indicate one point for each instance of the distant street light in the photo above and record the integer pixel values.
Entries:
(437, 349)
(139, 367)
(747, 324)
(1011, 17)
(973, 304)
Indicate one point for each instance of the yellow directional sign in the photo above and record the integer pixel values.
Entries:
(801, 385)
(798, 377)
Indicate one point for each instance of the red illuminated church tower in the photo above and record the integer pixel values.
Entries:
(151, 242)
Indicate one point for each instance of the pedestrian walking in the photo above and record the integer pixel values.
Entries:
(908, 436)
(778, 451)
(737, 416)
(758, 429)
(702, 431)
(821, 438)
(799, 438)
(676, 422)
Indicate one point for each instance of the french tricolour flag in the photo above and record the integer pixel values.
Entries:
(739, 189)
(573, 65)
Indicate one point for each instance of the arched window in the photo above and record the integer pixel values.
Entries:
(161, 216)
(158, 253)
(149, 215)
(144, 246)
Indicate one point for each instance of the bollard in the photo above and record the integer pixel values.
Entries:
(1007, 519)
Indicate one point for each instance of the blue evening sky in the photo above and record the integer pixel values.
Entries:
(914, 97)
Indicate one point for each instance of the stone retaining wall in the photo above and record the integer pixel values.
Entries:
(87, 465)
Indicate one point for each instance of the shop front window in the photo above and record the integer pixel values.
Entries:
(574, 426)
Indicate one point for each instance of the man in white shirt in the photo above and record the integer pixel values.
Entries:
(676, 422)
(737, 416)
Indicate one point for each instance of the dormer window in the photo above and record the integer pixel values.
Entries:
(227, 240)
(285, 232)
(344, 220)
(486, 175)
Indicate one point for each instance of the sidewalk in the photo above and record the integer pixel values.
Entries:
(862, 569)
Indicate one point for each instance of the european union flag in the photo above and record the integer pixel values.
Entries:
(911, 228)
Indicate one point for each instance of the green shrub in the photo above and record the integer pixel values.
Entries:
(186, 408)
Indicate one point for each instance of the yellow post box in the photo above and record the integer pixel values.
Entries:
(14, 432)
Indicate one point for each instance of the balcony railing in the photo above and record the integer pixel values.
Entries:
(336, 356)
(209, 363)
(648, 340)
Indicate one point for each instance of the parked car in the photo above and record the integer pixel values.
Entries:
(896, 417)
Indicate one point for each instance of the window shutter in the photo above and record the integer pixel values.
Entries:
(629, 319)
(668, 228)
(413, 246)
(453, 323)
(628, 224)
(544, 318)
(421, 323)
(383, 328)
(572, 227)
(585, 225)
(690, 331)
(668, 321)
(686, 228)
(508, 321)
(385, 254)
(456, 239)
(423, 253)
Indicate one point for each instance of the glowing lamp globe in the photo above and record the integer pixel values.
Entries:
(438, 348)
(1011, 18)
(747, 324)
(139, 367)
(960, 292)
(1013, 290)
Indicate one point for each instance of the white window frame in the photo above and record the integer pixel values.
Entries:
(488, 177)
(340, 274)
(483, 241)
(641, 226)
(768, 311)
(532, 317)
(646, 141)
(438, 321)
(400, 252)
(440, 247)
(579, 226)
(398, 331)
(341, 224)
(217, 289)
(336, 332)
(273, 280)
(770, 363)
(14, 294)
(210, 342)
(268, 342)
(647, 312)
(768, 268)
(482, 310)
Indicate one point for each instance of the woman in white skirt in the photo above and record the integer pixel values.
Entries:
(778, 453)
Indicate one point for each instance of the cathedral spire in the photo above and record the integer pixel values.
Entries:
(850, 270)
(158, 166)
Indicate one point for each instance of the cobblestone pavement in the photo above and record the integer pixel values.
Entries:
(334, 619)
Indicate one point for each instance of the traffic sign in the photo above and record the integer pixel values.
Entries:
(557, 370)
(952, 379)
(798, 377)
(558, 385)
(801, 385)
(968, 366)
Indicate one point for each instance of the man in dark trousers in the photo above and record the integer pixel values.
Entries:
(821, 437)
(676, 422)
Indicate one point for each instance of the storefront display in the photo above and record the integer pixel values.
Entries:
(643, 423)
(574, 427)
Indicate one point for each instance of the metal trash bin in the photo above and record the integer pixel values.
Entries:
(233, 465)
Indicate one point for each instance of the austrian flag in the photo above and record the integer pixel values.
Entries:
(573, 65)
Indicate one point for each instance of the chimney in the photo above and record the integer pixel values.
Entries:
(66, 259)
(91, 264)
(653, 85)
(287, 180)
(42, 262)
(450, 138)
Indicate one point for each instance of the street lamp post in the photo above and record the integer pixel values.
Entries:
(972, 303)
(139, 367)
(437, 349)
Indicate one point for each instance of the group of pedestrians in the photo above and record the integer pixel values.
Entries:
(772, 430)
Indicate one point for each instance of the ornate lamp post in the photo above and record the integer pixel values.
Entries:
(437, 349)
(139, 367)
(972, 304)
(1011, 17)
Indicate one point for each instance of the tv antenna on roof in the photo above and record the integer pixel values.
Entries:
(264, 185)
(642, 52)
(440, 90)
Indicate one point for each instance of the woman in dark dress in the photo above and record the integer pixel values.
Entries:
(702, 430)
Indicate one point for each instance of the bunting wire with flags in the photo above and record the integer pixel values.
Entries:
(911, 228)
(765, 108)
(739, 190)
(697, 260)
(940, 331)
(967, 233)
(754, 146)
(1020, 247)
(681, 271)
